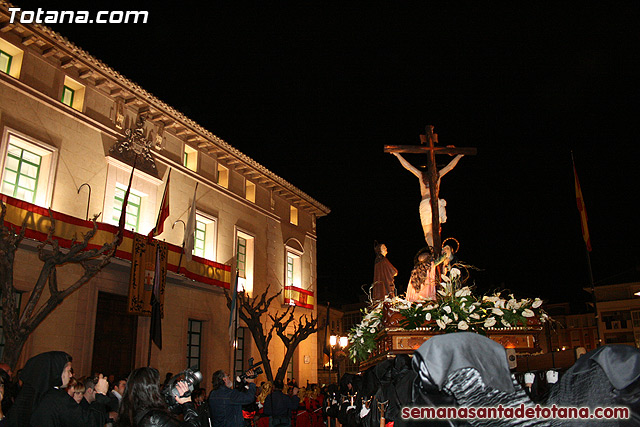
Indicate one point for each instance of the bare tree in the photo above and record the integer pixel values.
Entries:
(251, 311)
(17, 327)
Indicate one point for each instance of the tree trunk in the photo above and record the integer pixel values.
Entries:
(13, 348)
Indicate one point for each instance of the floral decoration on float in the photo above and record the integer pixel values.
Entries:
(455, 309)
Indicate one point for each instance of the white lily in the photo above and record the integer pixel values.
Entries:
(497, 311)
(489, 322)
(462, 325)
(536, 303)
(528, 313)
(454, 273)
(441, 324)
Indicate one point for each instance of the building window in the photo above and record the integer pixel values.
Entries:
(250, 191)
(293, 215)
(67, 96)
(194, 336)
(199, 238)
(21, 171)
(244, 260)
(190, 158)
(223, 176)
(5, 61)
(294, 269)
(72, 94)
(204, 243)
(10, 59)
(132, 220)
(239, 352)
(241, 254)
(28, 168)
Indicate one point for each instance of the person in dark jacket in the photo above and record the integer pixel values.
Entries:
(278, 406)
(43, 400)
(225, 403)
(143, 405)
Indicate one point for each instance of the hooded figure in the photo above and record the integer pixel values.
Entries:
(383, 274)
(40, 374)
(43, 402)
(605, 377)
(475, 371)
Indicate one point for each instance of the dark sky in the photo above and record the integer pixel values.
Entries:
(314, 90)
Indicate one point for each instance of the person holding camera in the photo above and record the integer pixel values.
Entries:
(143, 405)
(225, 403)
(278, 406)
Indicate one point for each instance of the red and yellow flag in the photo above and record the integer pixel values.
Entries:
(582, 209)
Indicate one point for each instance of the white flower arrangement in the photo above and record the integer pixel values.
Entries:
(455, 309)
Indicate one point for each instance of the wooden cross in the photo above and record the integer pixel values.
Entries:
(432, 176)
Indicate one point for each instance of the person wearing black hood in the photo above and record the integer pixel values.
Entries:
(43, 402)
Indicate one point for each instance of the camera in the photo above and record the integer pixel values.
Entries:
(252, 366)
(190, 376)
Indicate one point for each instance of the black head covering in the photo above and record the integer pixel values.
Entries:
(445, 354)
(621, 363)
(40, 374)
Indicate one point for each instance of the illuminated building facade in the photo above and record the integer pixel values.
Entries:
(61, 113)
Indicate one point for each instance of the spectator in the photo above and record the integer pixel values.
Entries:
(43, 401)
(9, 390)
(115, 395)
(143, 405)
(4, 379)
(78, 392)
(90, 400)
(278, 406)
(71, 386)
(225, 403)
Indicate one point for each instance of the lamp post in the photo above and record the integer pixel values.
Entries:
(336, 341)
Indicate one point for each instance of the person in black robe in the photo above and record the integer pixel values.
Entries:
(43, 400)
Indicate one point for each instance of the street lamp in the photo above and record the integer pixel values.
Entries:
(336, 341)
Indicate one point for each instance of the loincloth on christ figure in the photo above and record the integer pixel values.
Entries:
(425, 217)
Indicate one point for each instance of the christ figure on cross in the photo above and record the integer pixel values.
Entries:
(425, 204)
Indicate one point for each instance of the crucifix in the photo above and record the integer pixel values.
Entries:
(431, 207)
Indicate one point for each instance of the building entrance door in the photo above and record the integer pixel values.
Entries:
(114, 342)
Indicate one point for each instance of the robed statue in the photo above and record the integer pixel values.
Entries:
(383, 274)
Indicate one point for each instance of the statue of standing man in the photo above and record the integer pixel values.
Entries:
(383, 274)
(425, 204)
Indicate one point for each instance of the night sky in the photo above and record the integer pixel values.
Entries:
(314, 90)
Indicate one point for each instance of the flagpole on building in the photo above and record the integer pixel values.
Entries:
(587, 245)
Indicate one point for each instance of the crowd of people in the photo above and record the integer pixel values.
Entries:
(471, 372)
(47, 393)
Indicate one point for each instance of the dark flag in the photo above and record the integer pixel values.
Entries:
(163, 214)
(327, 335)
(156, 315)
(123, 213)
(233, 311)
